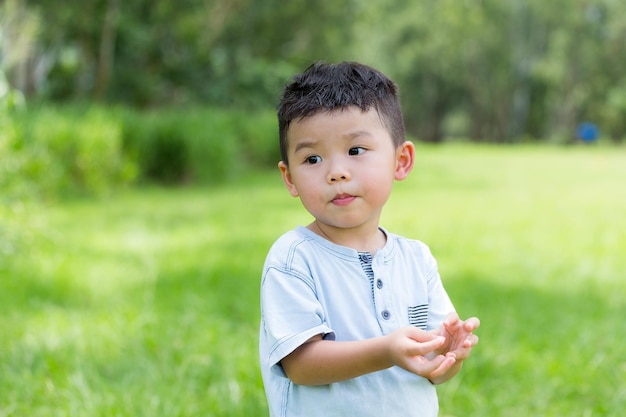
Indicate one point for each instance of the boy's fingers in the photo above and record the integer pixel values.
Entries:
(420, 336)
(472, 323)
(426, 366)
(422, 348)
(451, 319)
(471, 341)
(440, 366)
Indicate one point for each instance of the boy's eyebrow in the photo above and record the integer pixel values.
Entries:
(358, 133)
(305, 144)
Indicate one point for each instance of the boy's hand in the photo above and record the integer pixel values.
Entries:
(414, 350)
(459, 336)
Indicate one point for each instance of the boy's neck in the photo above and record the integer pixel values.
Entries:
(363, 239)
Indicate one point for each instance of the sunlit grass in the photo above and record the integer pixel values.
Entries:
(146, 304)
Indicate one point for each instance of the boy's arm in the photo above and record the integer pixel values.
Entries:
(319, 361)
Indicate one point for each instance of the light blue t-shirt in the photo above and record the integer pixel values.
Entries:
(311, 286)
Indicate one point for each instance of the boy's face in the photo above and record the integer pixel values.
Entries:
(343, 165)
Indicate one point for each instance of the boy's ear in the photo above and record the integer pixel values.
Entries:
(405, 157)
(284, 171)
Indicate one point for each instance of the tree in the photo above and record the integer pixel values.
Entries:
(19, 29)
(479, 69)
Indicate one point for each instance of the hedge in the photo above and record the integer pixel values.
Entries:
(53, 152)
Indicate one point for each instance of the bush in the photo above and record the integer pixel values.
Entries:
(215, 146)
(259, 136)
(49, 152)
(157, 146)
(205, 146)
(52, 152)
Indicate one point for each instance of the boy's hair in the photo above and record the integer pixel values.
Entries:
(331, 87)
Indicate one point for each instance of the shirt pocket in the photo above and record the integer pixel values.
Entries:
(418, 316)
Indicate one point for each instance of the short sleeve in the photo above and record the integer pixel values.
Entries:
(291, 314)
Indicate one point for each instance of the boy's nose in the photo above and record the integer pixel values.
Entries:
(338, 178)
(338, 173)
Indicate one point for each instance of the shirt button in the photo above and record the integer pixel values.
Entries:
(385, 314)
(379, 283)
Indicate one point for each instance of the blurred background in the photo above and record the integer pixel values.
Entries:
(482, 70)
(139, 193)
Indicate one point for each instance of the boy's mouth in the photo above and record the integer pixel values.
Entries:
(343, 199)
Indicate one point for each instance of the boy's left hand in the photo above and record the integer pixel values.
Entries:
(459, 337)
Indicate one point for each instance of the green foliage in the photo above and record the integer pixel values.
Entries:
(158, 146)
(10, 98)
(50, 152)
(204, 146)
(221, 51)
(512, 70)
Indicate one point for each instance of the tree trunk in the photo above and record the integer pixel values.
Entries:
(106, 55)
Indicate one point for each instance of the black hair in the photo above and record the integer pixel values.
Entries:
(330, 87)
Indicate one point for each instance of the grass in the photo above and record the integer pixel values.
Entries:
(146, 304)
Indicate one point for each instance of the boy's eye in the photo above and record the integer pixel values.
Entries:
(314, 159)
(357, 150)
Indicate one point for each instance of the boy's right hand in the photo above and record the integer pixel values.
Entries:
(412, 349)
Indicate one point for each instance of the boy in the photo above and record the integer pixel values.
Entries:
(354, 319)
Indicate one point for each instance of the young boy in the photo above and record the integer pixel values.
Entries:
(354, 319)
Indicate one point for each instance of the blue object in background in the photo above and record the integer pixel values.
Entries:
(587, 132)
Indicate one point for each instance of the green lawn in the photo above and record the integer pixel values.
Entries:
(146, 304)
